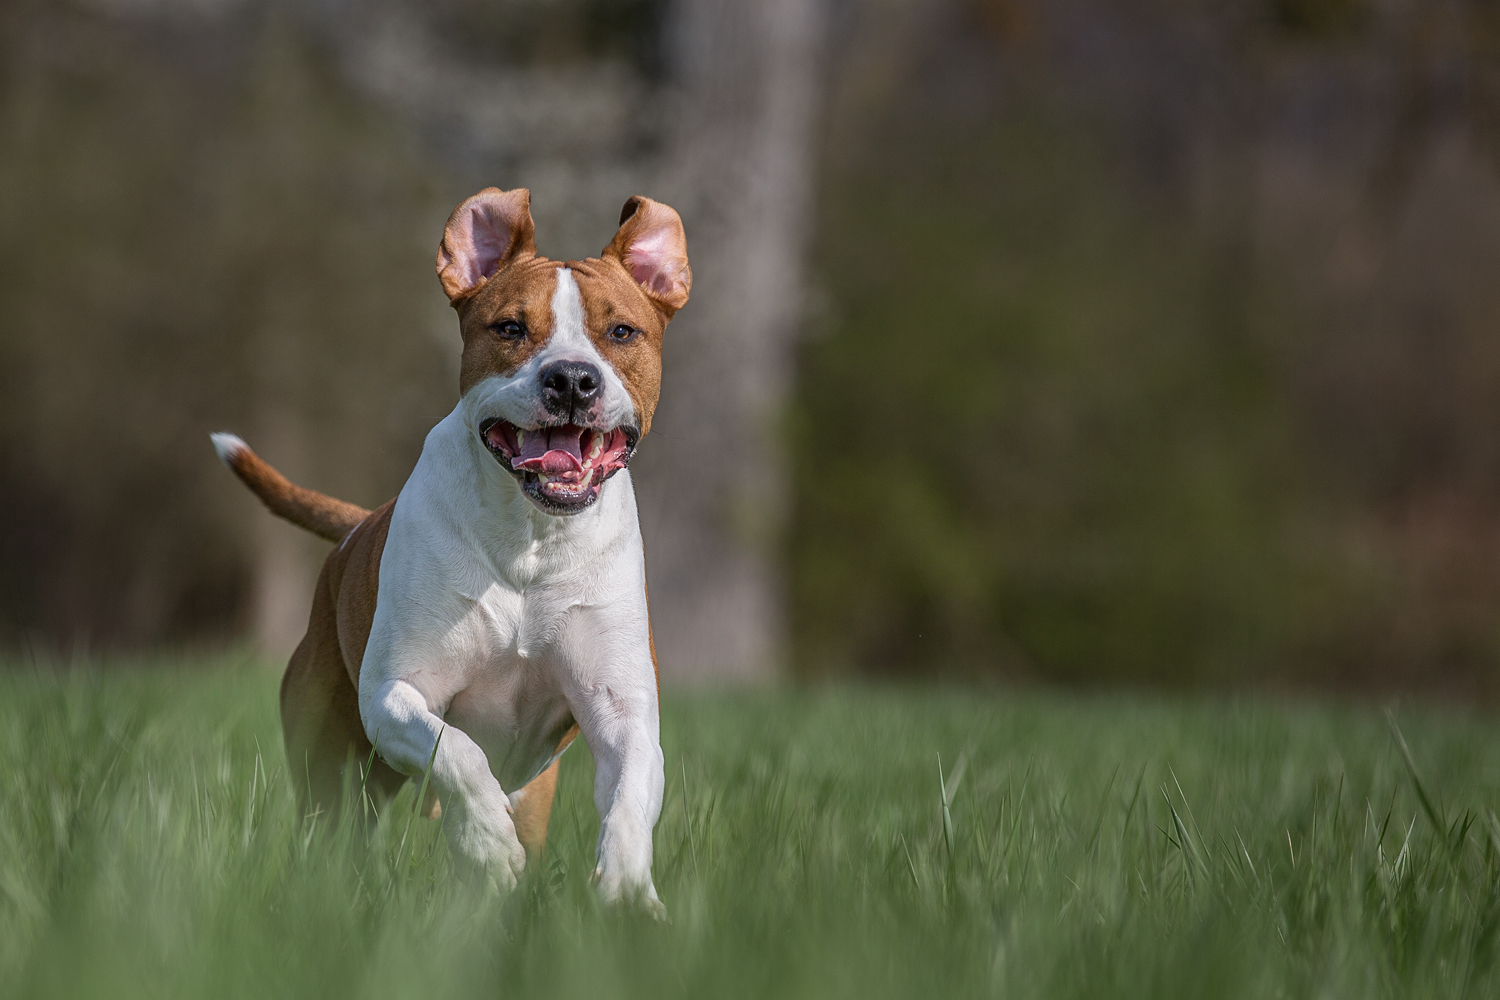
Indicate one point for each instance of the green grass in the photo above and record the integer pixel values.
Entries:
(1094, 846)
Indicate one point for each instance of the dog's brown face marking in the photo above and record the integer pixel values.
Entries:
(522, 316)
(611, 300)
(521, 294)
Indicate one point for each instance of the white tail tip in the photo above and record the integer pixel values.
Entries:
(227, 445)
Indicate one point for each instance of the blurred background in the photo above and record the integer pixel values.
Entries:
(1145, 342)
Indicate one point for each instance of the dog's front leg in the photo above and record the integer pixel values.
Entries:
(615, 705)
(622, 730)
(476, 813)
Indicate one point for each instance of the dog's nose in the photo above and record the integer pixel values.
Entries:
(568, 386)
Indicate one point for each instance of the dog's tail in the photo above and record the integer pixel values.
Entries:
(317, 512)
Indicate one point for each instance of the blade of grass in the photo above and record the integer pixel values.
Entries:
(943, 800)
(1433, 814)
(416, 806)
(910, 868)
(1099, 819)
(686, 819)
(365, 803)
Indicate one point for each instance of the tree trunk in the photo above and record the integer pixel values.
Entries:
(712, 481)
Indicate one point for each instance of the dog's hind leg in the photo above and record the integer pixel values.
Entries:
(325, 741)
(531, 806)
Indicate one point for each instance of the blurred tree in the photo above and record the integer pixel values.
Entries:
(1032, 439)
(739, 159)
(224, 215)
(190, 229)
(1151, 341)
(1159, 345)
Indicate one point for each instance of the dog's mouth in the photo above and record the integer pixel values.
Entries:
(562, 467)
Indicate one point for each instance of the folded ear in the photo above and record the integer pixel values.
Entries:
(484, 234)
(653, 248)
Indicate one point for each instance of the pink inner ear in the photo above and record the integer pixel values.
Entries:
(653, 261)
(490, 238)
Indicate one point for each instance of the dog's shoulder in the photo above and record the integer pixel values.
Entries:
(352, 576)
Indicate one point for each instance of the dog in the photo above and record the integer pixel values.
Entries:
(497, 608)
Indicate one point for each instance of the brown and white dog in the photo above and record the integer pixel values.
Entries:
(497, 607)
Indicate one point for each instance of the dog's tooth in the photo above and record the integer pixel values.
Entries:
(542, 477)
(520, 437)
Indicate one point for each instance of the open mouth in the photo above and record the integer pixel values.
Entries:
(562, 467)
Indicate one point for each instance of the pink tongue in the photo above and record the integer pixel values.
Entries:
(555, 451)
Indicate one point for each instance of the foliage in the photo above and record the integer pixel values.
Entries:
(188, 251)
(1074, 846)
(1041, 432)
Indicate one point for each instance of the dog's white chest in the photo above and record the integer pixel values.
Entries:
(493, 614)
(521, 604)
(516, 717)
(510, 702)
(511, 631)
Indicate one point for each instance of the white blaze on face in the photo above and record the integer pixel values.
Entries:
(568, 330)
(570, 342)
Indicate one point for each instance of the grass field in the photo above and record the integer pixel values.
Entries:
(1094, 846)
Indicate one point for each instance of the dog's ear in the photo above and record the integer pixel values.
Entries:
(487, 232)
(653, 248)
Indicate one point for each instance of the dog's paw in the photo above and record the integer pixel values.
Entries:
(616, 893)
(487, 853)
(497, 870)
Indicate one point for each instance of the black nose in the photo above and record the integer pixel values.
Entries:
(570, 386)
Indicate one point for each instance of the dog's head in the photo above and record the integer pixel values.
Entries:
(562, 359)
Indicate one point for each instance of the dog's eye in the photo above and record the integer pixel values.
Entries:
(622, 334)
(508, 329)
